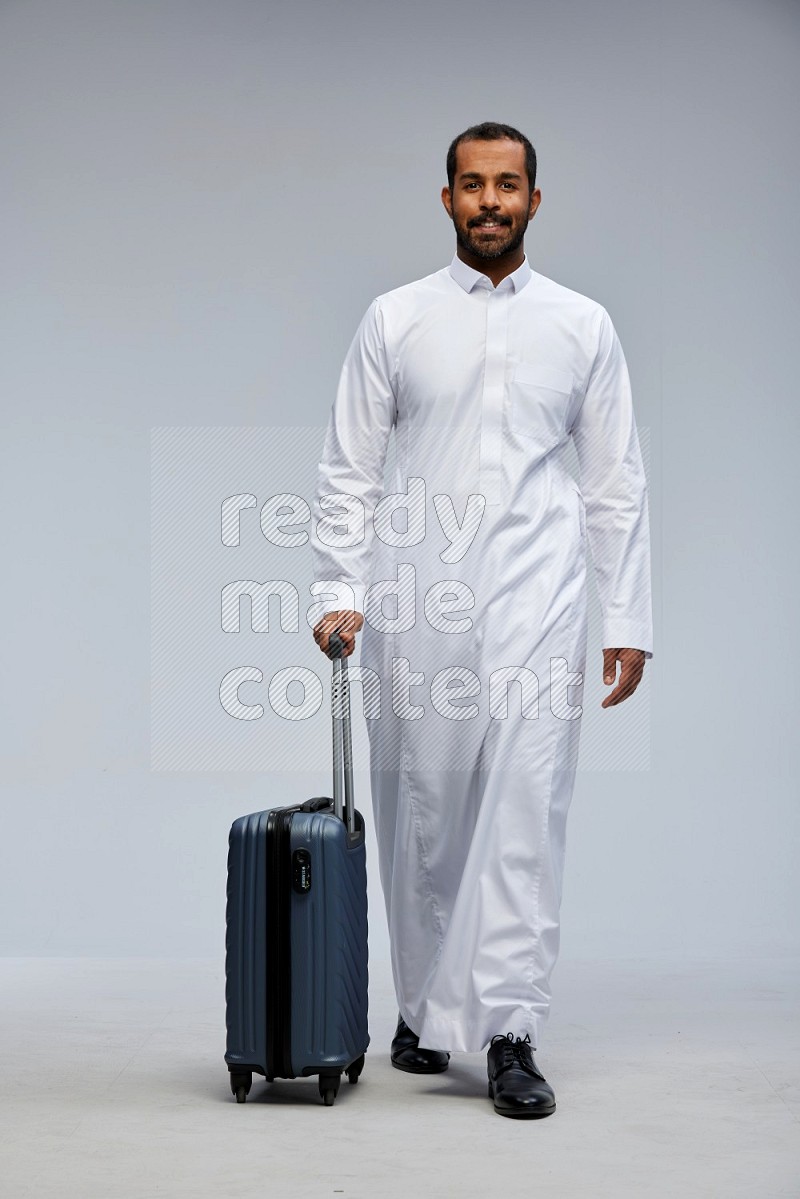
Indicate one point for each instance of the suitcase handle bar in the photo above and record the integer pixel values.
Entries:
(342, 735)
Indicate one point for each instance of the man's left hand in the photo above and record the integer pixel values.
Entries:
(632, 661)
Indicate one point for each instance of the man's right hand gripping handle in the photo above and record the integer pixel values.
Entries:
(345, 622)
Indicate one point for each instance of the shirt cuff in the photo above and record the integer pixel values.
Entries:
(351, 597)
(628, 634)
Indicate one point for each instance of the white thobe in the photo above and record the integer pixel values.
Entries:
(472, 671)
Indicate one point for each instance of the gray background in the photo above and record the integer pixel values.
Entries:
(199, 201)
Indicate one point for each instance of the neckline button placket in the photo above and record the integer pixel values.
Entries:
(495, 348)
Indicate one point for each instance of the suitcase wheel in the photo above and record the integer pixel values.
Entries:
(240, 1085)
(355, 1069)
(329, 1087)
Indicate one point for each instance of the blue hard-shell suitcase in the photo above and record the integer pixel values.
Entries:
(296, 931)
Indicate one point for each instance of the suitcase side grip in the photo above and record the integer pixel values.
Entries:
(318, 804)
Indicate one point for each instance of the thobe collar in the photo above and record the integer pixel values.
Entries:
(468, 278)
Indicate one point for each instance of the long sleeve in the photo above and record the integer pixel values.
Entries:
(614, 489)
(350, 475)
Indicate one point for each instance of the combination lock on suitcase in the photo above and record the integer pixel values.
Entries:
(296, 931)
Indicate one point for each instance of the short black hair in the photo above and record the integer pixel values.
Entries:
(490, 131)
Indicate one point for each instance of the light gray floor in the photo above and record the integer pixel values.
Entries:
(672, 1079)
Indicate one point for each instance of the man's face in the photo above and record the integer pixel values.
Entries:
(490, 204)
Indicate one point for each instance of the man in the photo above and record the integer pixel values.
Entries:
(484, 369)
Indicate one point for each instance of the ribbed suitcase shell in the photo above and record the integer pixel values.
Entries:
(310, 958)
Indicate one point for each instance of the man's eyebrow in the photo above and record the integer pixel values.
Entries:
(478, 175)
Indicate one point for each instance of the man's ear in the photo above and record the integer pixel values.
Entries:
(447, 200)
(535, 201)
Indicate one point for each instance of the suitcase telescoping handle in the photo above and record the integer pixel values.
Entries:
(342, 737)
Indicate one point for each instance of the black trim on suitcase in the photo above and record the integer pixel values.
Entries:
(279, 945)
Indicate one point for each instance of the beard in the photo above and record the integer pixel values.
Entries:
(505, 242)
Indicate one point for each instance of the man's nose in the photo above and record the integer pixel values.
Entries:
(489, 198)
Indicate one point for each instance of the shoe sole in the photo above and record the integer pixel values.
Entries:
(536, 1114)
(420, 1069)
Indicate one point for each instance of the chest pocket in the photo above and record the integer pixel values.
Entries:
(539, 399)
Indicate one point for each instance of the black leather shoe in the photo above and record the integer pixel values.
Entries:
(407, 1055)
(515, 1083)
